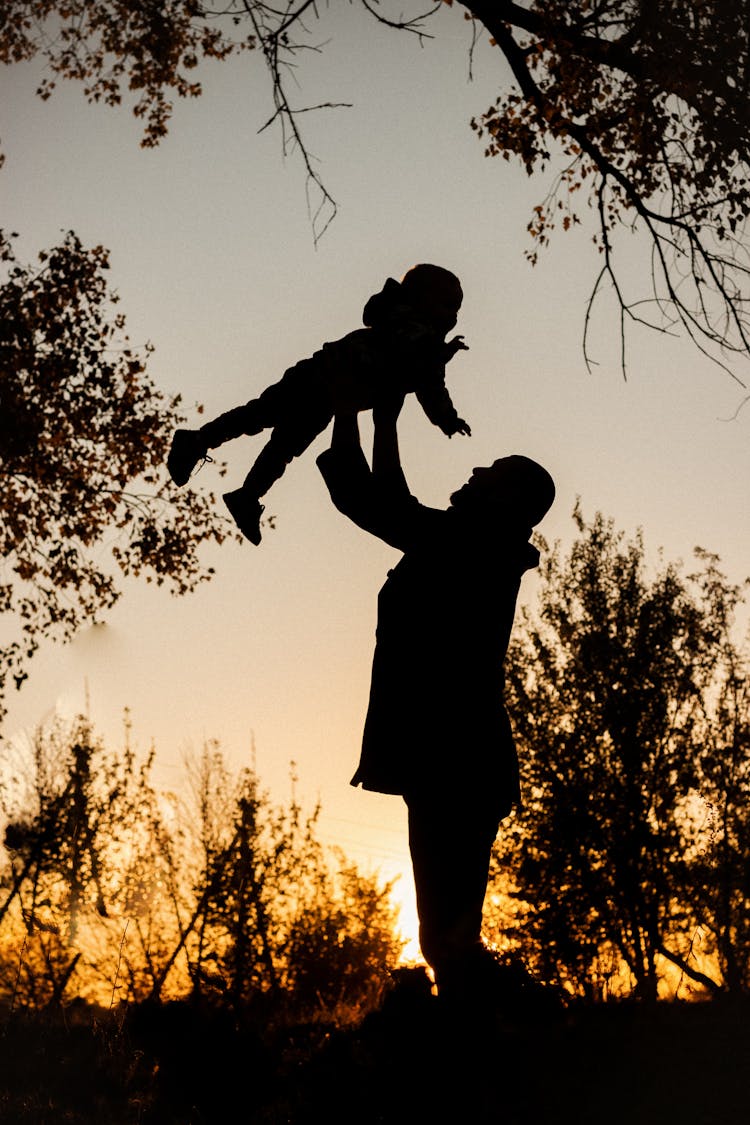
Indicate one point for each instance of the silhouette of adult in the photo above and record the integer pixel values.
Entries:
(436, 730)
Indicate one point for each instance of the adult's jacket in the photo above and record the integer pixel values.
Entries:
(436, 720)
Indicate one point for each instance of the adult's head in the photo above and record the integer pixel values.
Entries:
(514, 489)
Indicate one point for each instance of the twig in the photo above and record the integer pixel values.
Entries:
(119, 962)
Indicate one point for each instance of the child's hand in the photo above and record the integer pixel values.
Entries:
(455, 345)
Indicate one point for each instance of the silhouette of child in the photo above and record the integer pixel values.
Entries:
(401, 350)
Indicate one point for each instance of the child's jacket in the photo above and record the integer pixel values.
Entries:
(394, 351)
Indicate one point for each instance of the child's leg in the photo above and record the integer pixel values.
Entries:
(244, 503)
(285, 443)
(248, 419)
(271, 462)
(280, 404)
(298, 394)
(191, 446)
(288, 440)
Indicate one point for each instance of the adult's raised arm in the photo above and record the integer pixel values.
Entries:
(378, 499)
(347, 475)
(386, 457)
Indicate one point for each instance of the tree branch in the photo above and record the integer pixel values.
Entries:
(688, 970)
(704, 262)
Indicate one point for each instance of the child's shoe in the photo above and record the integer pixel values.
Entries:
(188, 448)
(246, 511)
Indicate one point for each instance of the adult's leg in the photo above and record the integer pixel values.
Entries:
(450, 841)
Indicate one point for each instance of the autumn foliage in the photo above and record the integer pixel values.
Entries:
(638, 110)
(147, 50)
(83, 437)
(117, 893)
(625, 870)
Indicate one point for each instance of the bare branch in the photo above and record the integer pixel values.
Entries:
(272, 42)
(734, 416)
(414, 24)
(674, 231)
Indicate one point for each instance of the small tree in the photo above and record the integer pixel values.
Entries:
(721, 870)
(110, 890)
(66, 818)
(609, 684)
(343, 944)
(83, 438)
(273, 920)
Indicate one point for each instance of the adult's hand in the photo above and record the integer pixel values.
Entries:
(387, 408)
(345, 431)
(386, 461)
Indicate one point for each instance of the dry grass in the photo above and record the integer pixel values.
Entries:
(406, 1062)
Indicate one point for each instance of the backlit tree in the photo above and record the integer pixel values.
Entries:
(639, 108)
(632, 832)
(83, 437)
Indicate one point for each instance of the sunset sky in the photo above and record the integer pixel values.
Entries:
(213, 256)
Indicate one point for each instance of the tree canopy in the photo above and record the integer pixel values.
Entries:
(628, 694)
(648, 103)
(112, 890)
(638, 109)
(83, 437)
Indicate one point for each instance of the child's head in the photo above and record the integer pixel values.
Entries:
(435, 293)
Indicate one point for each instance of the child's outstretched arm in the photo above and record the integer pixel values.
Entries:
(456, 344)
(438, 406)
